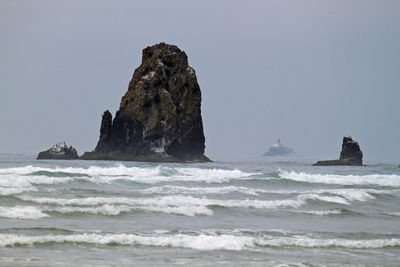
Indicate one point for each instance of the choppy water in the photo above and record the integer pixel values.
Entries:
(253, 212)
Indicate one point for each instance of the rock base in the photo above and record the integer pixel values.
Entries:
(147, 158)
(351, 155)
(337, 162)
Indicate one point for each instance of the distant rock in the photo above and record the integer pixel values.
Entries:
(350, 154)
(59, 151)
(279, 150)
(159, 118)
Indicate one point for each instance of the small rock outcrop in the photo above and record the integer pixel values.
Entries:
(279, 149)
(159, 118)
(59, 151)
(351, 154)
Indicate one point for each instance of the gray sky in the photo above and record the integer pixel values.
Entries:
(308, 72)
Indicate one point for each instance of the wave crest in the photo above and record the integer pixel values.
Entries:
(198, 241)
(390, 180)
(22, 212)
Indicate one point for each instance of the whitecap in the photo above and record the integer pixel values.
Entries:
(105, 209)
(26, 181)
(372, 179)
(198, 242)
(321, 212)
(6, 191)
(14, 181)
(333, 199)
(95, 174)
(306, 242)
(22, 212)
(113, 210)
(168, 201)
(349, 194)
(170, 189)
(184, 205)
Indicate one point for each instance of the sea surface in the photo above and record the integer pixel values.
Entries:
(230, 212)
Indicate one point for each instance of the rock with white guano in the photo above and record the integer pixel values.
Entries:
(59, 151)
(159, 118)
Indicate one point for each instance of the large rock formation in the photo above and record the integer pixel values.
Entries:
(159, 118)
(59, 151)
(350, 154)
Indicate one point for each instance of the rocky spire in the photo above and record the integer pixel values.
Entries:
(159, 118)
(105, 131)
(351, 150)
(351, 154)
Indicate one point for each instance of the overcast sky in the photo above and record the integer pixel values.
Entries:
(307, 72)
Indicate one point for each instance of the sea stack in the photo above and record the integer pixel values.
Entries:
(350, 154)
(159, 118)
(59, 151)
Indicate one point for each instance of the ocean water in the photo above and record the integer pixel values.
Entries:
(231, 212)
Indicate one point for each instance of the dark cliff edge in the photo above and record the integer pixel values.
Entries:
(59, 151)
(350, 155)
(159, 118)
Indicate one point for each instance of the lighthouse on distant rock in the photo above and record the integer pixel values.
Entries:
(279, 150)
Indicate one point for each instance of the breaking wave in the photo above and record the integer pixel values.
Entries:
(170, 189)
(6, 191)
(306, 242)
(179, 205)
(26, 176)
(322, 212)
(372, 179)
(22, 212)
(197, 241)
(350, 194)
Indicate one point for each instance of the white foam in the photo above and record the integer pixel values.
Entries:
(25, 181)
(332, 199)
(373, 179)
(183, 210)
(22, 212)
(209, 175)
(113, 210)
(46, 180)
(105, 209)
(199, 241)
(352, 194)
(169, 189)
(97, 174)
(14, 181)
(90, 201)
(349, 194)
(184, 205)
(168, 201)
(322, 212)
(306, 242)
(6, 191)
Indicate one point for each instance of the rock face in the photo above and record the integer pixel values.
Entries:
(350, 154)
(279, 149)
(59, 151)
(159, 118)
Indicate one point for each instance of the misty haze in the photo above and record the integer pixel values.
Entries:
(199, 133)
